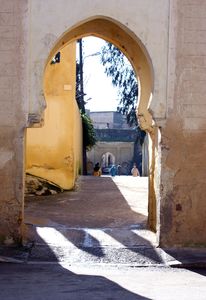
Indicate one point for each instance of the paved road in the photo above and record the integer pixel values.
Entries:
(53, 281)
(96, 202)
(102, 221)
(92, 244)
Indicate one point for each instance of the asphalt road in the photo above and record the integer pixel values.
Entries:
(92, 244)
(56, 282)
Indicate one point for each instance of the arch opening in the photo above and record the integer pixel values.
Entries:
(120, 36)
(136, 53)
(107, 160)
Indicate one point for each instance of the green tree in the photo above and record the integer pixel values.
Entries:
(89, 138)
(123, 76)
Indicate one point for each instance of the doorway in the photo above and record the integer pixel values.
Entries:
(138, 58)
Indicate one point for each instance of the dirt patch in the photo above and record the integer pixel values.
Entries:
(40, 187)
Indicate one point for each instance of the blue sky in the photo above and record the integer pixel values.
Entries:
(97, 85)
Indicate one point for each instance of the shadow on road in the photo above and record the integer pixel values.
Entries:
(96, 207)
(53, 282)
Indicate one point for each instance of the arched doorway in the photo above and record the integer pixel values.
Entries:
(118, 34)
(108, 159)
(131, 46)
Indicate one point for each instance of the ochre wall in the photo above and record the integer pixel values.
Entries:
(53, 151)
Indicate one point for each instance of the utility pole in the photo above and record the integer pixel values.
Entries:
(81, 102)
(81, 75)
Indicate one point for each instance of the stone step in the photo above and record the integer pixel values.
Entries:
(96, 255)
(132, 236)
(130, 245)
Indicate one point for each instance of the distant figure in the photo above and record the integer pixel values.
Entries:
(119, 170)
(97, 170)
(113, 171)
(135, 171)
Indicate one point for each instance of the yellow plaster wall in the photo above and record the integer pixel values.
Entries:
(53, 151)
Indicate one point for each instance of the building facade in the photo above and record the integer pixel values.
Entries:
(115, 143)
(108, 120)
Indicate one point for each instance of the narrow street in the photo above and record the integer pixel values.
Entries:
(92, 244)
(103, 221)
(53, 281)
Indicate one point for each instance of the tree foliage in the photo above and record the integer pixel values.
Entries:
(123, 76)
(89, 136)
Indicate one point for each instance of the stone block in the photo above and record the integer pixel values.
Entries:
(7, 44)
(194, 110)
(192, 49)
(191, 98)
(6, 18)
(195, 36)
(193, 61)
(6, 5)
(7, 32)
(194, 123)
(188, 86)
(194, 10)
(8, 69)
(5, 83)
(7, 57)
(195, 23)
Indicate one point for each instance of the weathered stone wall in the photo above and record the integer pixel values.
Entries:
(173, 43)
(13, 117)
(183, 164)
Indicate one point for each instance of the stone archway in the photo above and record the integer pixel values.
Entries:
(108, 159)
(139, 33)
(38, 56)
(163, 29)
(114, 32)
(157, 26)
(118, 34)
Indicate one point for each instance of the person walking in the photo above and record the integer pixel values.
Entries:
(97, 170)
(119, 170)
(113, 171)
(135, 171)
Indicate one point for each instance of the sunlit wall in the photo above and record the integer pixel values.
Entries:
(54, 151)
